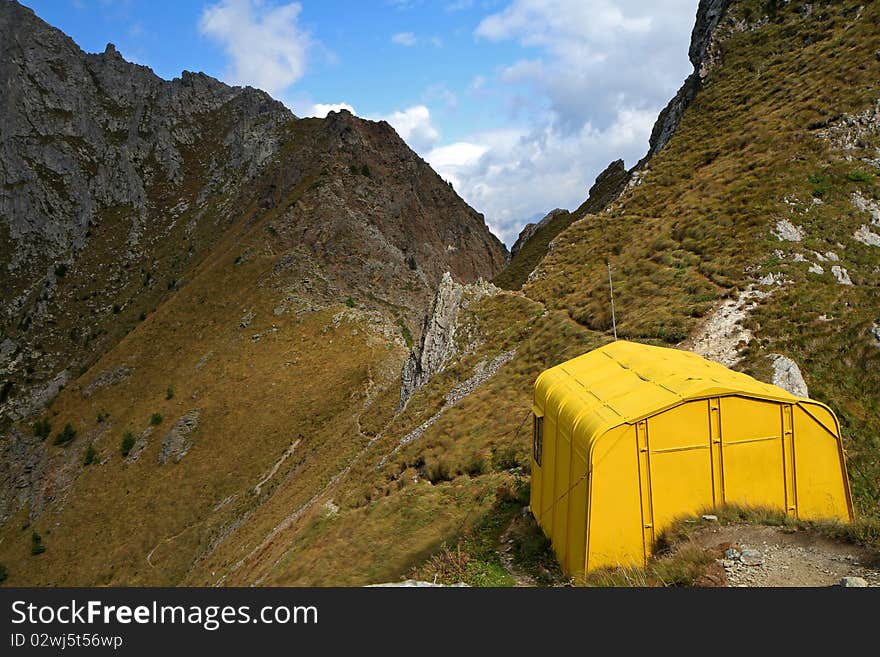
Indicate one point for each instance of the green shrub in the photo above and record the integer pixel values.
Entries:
(506, 459)
(42, 429)
(37, 546)
(407, 335)
(437, 471)
(67, 434)
(60, 269)
(349, 302)
(127, 443)
(156, 419)
(860, 176)
(102, 415)
(91, 455)
(411, 262)
(4, 573)
(821, 184)
(169, 392)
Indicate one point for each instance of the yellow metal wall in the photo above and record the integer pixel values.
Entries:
(822, 486)
(680, 462)
(752, 452)
(606, 507)
(615, 506)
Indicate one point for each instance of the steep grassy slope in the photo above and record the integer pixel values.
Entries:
(783, 128)
(400, 503)
(696, 230)
(295, 380)
(193, 349)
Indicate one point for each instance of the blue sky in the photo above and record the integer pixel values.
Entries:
(519, 103)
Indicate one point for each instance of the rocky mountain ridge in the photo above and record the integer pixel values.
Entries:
(117, 183)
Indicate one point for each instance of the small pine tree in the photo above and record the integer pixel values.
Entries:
(155, 419)
(169, 393)
(67, 434)
(37, 546)
(127, 443)
(42, 429)
(91, 455)
(4, 573)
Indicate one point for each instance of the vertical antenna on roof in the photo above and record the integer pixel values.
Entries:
(611, 286)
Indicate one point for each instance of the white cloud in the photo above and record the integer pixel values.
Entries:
(459, 154)
(513, 175)
(536, 22)
(320, 110)
(266, 47)
(415, 127)
(595, 58)
(585, 90)
(477, 84)
(440, 93)
(404, 39)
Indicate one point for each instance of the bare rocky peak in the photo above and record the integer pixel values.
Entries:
(438, 344)
(117, 184)
(79, 132)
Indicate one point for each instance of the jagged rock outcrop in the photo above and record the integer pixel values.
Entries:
(608, 186)
(23, 465)
(178, 441)
(709, 15)
(856, 135)
(438, 342)
(82, 132)
(531, 228)
(105, 379)
(787, 375)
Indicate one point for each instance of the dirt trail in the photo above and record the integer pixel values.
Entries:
(506, 545)
(789, 557)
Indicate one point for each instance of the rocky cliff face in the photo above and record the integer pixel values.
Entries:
(702, 55)
(438, 344)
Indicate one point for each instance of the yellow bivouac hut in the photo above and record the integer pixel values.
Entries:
(629, 437)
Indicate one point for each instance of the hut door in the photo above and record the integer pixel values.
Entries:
(680, 462)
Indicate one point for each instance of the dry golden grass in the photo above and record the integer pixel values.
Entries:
(695, 231)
